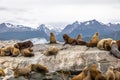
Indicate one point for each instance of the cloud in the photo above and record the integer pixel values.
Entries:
(3, 8)
(32, 3)
(34, 12)
(7, 9)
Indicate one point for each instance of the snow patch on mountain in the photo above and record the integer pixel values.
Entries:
(69, 28)
(10, 25)
(54, 28)
(87, 23)
(43, 27)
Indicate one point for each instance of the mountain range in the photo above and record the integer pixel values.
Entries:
(86, 28)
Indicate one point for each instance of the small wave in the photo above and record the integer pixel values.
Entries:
(38, 40)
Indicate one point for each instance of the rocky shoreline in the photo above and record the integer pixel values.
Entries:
(70, 59)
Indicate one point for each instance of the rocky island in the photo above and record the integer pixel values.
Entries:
(62, 66)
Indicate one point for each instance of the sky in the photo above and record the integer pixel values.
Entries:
(58, 12)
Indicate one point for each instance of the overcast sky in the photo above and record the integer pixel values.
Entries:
(35, 12)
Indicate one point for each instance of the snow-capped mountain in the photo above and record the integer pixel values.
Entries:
(43, 28)
(48, 28)
(86, 28)
(10, 31)
(7, 27)
(54, 29)
(3, 27)
(114, 27)
(92, 22)
(69, 28)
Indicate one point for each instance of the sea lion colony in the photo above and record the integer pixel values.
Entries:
(91, 73)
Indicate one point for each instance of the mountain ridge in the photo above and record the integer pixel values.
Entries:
(86, 28)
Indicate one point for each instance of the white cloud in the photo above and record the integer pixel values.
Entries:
(35, 12)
